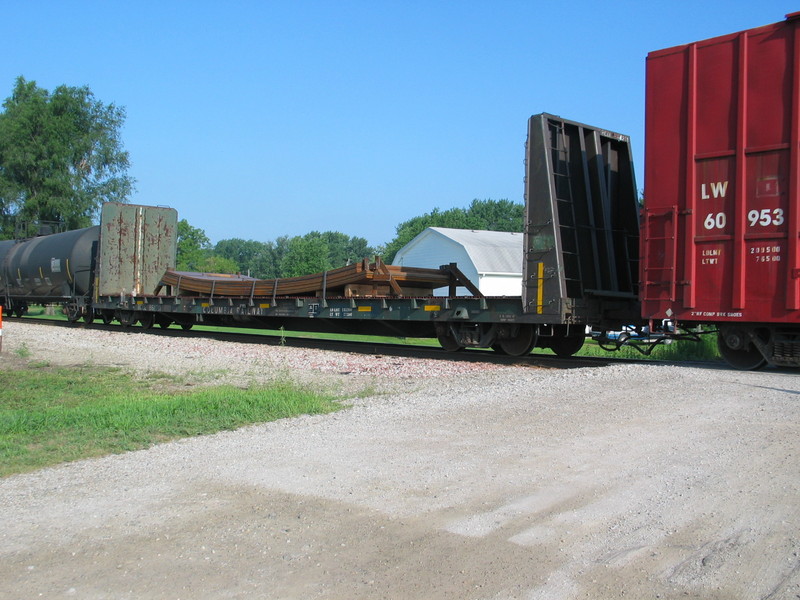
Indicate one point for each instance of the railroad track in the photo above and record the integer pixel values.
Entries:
(535, 360)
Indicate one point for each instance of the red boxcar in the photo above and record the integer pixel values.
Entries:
(722, 214)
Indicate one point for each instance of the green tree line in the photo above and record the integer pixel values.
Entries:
(320, 251)
(284, 257)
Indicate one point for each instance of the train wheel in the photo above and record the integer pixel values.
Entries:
(565, 347)
(146, 320)
(738, 351)
(186, 326)
(126, 318)
(73, 312)
(163, 321)
(107, 316)
(498, 349)
(522, 343)
(88, 316)
(448, 342)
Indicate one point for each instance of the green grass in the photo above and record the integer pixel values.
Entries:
(680, 350)
(39, 312)
(49, 416)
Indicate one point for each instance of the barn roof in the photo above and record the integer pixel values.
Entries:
(490, 251)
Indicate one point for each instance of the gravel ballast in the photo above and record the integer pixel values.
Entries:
(442, 480)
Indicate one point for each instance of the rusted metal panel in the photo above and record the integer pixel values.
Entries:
(582, 224)
(137, 246)
(721, 181)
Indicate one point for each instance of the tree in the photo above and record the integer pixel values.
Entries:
(305, 255)
(61, 155)
(343, 249)
(253, 258)
(496, 215)
(491, 215)
(193, 247)
(217, 264)
(315, 252)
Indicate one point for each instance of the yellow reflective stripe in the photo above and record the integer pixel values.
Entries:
(364, 309)
(432, 308)
(540, 289)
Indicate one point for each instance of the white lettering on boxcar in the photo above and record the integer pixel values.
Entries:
(766, 217)
(715, 221)
(710, 256)
(718, 190)
(699, 313)
(765, 254)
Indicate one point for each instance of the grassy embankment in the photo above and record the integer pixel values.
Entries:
(53, 415)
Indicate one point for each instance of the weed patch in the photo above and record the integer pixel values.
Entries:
(53, 415)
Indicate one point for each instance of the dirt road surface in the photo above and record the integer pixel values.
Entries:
(626, 481)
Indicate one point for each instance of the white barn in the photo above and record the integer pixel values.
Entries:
(492, 260)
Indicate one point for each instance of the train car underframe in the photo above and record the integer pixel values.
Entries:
(750, 346)
(457, 323)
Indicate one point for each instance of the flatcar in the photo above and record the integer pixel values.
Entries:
(567, 288)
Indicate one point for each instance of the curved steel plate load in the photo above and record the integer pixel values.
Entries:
(359, 279)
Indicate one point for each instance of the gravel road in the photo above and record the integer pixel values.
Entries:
(443, 480)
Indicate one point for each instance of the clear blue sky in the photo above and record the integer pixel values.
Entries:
(260, 119)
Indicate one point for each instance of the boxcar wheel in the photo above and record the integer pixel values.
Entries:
(738, 352)
(146, 320)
